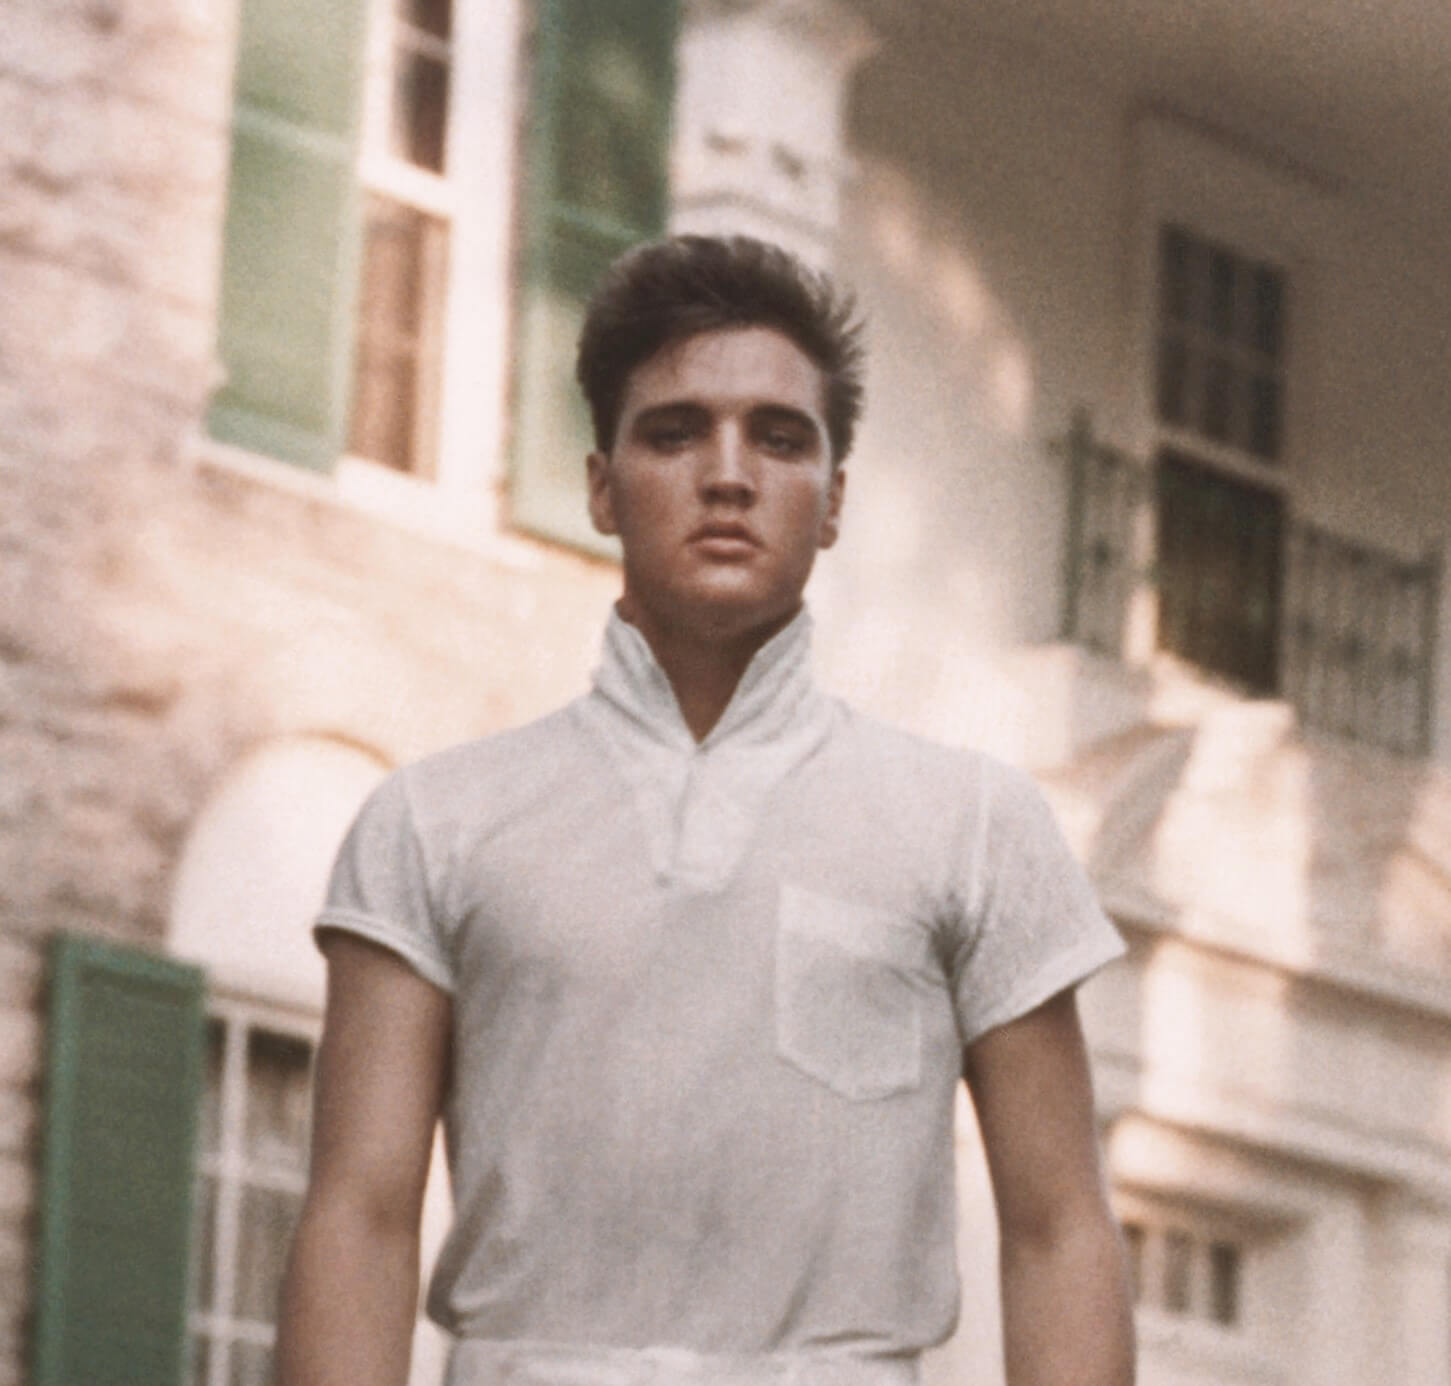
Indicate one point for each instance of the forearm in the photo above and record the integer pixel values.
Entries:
(349, 1301)
(1067, 1316)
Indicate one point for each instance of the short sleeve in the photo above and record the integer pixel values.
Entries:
(1037, 927)
(379, 889)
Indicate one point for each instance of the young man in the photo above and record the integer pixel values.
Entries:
(693, 966)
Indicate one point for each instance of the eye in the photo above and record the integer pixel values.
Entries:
(667, 439)
(670, 435)
(785, 442)
(785, 434)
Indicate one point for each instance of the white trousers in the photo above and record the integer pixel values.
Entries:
(483, 1362)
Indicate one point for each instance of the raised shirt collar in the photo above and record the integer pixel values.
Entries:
(769, 694)
(701, 805)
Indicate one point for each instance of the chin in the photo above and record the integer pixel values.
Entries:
(724, 604)
(726, 617)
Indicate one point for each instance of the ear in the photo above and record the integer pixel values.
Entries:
(831, 520)
(601, 500)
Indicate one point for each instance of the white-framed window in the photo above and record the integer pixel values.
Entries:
(367, 267)
(1219, 396)
(414, 207)
(1235, 265)
(1222, 310)
(592, 178)
(251, 1178)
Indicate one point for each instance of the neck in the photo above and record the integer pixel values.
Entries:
(704, 666)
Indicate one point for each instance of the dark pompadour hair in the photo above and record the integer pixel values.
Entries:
(665, 291)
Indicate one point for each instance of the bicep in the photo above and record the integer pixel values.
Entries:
(382, 1069)
(1033, 1093)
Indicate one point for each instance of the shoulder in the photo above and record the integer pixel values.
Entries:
(901, 797)
(980, 810)
(496, 760)
(475, 780)
(905, 762)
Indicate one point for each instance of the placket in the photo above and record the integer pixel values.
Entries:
(711, 825)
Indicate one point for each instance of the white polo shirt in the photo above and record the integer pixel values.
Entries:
(710, 1003)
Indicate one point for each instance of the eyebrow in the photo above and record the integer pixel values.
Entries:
(671, 409)
(786, 414)
(694, 410)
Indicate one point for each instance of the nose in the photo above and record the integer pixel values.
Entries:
(727, 471)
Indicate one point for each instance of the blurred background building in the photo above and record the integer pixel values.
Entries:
(1151, 497)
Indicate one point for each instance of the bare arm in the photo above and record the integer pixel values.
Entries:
(351, 1292)
(1067, 1319)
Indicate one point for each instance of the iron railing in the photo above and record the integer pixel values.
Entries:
(1356, 626)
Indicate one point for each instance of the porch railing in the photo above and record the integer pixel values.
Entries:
(1357, 626)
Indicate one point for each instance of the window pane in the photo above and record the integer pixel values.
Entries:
(1178, 1264)
(1218, 399)
(1221, 546)
(1173, 392)
(251, 1365)
(393, 286)
(265, 1238)
(279, 1095)
(420, 108)
(1224, 1282)
(400, 336)
(200, 1360)
(1267, 318)
(1264, 416)
(1174, 273)
(1221, 294)
(383, 410)
(204, 1242)
(1222, 328)
(432, 16)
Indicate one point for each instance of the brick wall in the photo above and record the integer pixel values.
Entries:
(20, 1048)
(112, 157)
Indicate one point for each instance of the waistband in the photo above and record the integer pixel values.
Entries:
(487, 1362)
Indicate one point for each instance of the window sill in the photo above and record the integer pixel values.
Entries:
(462, 517)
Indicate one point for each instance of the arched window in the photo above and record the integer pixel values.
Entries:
(251, 877)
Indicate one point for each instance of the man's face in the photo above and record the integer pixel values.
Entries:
(719, 484)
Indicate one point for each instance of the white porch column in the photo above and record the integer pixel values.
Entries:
(1412, 1281)
(759, 118)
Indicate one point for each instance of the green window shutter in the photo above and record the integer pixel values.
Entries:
(598, 181)
(123, 1087)
(290, 256)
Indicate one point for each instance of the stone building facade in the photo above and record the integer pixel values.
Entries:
(210, 648)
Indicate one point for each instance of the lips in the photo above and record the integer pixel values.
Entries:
(725, 531)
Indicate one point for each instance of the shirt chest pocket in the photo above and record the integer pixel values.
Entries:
(849, 996)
